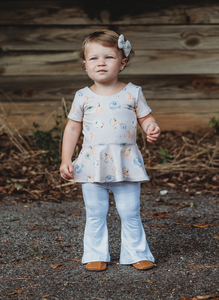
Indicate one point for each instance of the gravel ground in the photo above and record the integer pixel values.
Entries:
(34, 264)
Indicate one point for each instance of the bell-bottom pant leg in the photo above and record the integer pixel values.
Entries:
(134, 246)
(96, 198)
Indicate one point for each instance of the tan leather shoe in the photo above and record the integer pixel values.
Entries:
(96, 266)
(144, 265)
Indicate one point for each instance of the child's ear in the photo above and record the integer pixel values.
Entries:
(84, 63)
(123, 63)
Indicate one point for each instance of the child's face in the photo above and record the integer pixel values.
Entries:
(103, 64)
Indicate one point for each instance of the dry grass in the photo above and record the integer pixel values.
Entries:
(191, 154)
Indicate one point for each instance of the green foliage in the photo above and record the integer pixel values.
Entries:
(214, 124)
(6, 50)
(164, 159)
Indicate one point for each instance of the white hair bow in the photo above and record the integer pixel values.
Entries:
(125, 46)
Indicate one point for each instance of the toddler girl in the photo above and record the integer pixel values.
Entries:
(110, 159)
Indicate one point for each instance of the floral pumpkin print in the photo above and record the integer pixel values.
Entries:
(96, 163)
(88, 155)
(127, 151)
(123, 126)
(99, 109)
(123, 145)
(128, 97)
(78, 168)
(137, 162)
(114, 105)
(91, 109)
(87, 100)
(126, 174)
(115, 123)
(109, 151)
(107, 158)
(92, 149)
(128, 135)
(90, 178)
(98, 124)
(109, 178)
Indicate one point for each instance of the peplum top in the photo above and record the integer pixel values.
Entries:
(109, 152)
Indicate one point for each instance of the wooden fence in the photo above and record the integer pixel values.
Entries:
(176, 57)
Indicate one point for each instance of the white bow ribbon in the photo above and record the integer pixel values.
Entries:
(125, 46)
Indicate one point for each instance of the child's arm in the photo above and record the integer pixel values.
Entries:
(150, 127)
(70, 138)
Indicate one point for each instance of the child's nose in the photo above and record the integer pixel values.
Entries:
(101, 62)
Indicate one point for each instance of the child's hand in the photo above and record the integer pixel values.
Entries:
(66, 170)
(153, 133)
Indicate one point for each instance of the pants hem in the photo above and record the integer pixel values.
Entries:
(130, 262)
(85, 261)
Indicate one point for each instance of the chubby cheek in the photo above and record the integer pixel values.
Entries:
(88, 64)
(89, 67)
(90, 70)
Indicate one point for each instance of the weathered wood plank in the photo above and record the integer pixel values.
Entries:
(69, 38)
(42, 88)
(84, 12)
(186, 115)
(156, 87)
(144, 63)
(66, 63)
(55, 38)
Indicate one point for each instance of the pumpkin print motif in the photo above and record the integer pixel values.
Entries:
(98, 124)
(115, 123)
(127, 151)
(87, 100)
(123, 126)
(137, 162)
(107, 158)
(88, 155)
(114, 105)
(126, 174)
(128, 97)
(92, 149)
(96, 163)
(110, 178)
(78, 168)
(90, 178)
(128, 135)
(98, 109)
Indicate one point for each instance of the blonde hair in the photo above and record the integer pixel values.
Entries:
(106, 38)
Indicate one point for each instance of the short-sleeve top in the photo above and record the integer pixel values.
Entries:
(109, 152)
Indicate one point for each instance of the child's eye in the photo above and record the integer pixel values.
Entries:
(93, 58)
(108, 57)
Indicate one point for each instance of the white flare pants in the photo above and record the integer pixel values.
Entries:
(134, 246)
